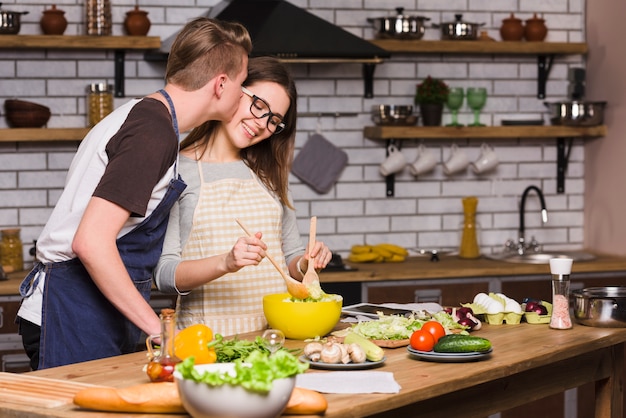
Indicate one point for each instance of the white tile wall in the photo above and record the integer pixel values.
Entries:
(425, 212)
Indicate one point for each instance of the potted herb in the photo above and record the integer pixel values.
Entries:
(430, 96)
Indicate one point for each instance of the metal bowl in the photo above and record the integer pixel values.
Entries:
(393, 115)
(399, 27)
(576, 113)
(459, 30)
(601, 306)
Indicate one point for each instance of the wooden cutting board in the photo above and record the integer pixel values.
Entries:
(37, 391)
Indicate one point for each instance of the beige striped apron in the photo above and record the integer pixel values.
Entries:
(233, 303)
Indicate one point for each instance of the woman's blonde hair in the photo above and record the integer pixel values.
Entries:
(270, 159)
(205, 48)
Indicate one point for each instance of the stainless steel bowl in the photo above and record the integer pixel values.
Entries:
(576, 113)
(459, 30)
(399, 27)
(393, 115)
(601, 306)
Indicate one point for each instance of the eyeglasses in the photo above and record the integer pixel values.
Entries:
(260, 109)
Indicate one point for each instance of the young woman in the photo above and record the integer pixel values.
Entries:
(237, 170)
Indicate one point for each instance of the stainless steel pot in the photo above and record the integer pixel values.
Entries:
(10, 21)
(576, 113)
(601, 306)
(459, 30)
(400, 26)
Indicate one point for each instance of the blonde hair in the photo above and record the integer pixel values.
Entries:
(205, 48)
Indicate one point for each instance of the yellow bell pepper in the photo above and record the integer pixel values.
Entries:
(193, 341)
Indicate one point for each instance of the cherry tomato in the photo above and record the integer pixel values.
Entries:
(422, 340)
(435, 328)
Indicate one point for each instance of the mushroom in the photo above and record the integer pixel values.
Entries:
(313, 351)
(357, 355)
(331, 353)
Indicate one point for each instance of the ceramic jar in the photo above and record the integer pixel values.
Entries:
(137, 22)
(53, 21)
(512, 29)
(535, 29)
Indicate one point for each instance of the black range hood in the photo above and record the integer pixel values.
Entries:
(292, 34)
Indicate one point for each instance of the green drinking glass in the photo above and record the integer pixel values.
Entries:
(476, 99)
(454, 103)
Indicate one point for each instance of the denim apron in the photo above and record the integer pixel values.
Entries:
(78, 322)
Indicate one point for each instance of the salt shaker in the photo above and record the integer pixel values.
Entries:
(560, 269)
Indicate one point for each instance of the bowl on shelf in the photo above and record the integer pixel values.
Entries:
(393, 115)
(300, 320)
(23, 114)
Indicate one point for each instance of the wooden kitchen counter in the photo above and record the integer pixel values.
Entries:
(421, 268)
(528, 362)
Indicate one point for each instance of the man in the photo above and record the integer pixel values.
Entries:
(87, 297)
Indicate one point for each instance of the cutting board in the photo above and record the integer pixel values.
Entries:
(37, 391)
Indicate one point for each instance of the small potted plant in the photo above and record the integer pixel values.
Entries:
(430, 96)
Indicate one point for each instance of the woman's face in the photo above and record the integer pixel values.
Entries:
(245, 129)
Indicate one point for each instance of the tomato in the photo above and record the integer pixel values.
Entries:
(435, 328)
(192, 341)
(422, 340)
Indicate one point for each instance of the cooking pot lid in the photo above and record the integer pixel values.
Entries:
(401, 15)
(459, 20)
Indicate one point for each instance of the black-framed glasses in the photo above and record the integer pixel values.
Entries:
(260, 109)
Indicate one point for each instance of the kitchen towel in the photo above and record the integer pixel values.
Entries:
(349, 382)
(319, 163)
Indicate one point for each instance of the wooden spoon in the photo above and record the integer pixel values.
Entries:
(295, 288)
(311, 275)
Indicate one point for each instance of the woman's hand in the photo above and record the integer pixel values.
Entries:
(247, 251)
(321, 255)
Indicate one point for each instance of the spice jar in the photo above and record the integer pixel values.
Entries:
(53, 21)
(162, 363)
(99, 21)
(560, 269)
(469, 236)
(99, 102)
(11, 250)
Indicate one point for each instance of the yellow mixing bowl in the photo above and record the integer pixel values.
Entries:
(301, 320)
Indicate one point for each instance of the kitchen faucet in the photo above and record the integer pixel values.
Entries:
(521, 246)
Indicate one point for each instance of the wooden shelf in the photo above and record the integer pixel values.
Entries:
(79, 42)
(42, 134)
(480, 47)
(487, 132)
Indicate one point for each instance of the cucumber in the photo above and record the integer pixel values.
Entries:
(454, 343)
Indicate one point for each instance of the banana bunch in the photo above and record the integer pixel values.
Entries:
(379, 253)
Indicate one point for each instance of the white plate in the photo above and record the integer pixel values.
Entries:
(340, 366)
(449, 357)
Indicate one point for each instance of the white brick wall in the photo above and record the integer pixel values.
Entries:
(424, 213)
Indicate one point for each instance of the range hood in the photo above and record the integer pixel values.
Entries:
(292, 34)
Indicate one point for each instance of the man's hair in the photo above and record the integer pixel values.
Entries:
(205, 48)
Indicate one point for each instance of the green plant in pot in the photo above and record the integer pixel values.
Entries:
(430, 96)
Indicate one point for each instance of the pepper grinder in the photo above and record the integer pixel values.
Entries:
(560, 269)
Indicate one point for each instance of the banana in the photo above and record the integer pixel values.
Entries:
(372, 351)
(364, 257)
(360, 249)
(382, 251)
(395, 259)
(395, 249)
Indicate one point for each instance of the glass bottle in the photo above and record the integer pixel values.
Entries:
(98, 17)
(469, 236)
(560, 269)
(99, 102)
(161, 365)
(11, 249)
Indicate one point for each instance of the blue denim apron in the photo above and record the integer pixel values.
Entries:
(78, 322)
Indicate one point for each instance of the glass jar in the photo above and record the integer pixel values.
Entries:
(469, 247)
(99, 102)
(98, 17)
(561, 317)
(11, 249)
(161, 365)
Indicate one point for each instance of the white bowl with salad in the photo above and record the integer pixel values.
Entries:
(254, 388)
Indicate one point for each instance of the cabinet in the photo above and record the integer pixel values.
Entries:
(119, 44)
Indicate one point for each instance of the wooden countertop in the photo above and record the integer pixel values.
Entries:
(522, 355)
(421, 268)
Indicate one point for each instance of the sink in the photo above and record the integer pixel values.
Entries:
(540, 257)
